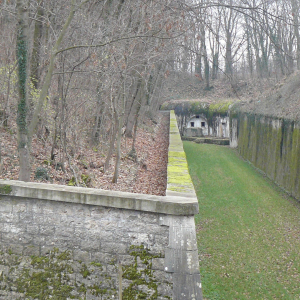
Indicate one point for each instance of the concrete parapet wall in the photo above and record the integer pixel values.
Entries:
(272, 145)
(76, 243)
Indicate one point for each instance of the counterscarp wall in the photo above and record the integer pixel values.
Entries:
(272, 145)
(60, 242)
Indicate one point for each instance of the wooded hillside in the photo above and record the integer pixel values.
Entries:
(78, 75)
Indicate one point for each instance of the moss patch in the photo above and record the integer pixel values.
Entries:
(143, 282)
(5, 189)
(179, 179)
(53, 277)
(272, 145)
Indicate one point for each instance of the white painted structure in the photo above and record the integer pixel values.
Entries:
(198, 121)
(220, 127)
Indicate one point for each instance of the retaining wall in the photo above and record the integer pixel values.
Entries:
(272, 145)
(60, 242)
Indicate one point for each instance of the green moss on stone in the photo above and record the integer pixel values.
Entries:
(176, 154)
(175, 188)
(140, 277)
(5, 189)
(179, 179)
(51, 277)
(85, 271)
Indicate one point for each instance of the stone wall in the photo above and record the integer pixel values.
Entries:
(60, 242)
(272, 145)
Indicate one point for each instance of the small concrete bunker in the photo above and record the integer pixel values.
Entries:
(199, 118)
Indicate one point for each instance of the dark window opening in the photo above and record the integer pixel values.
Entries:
(192, 124)
(197, 117)
(223, 124)
(202, 124)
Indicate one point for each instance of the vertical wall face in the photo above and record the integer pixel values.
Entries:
(60, 242)
(41, 240)
(233, 132)
(182, 247)
(272, 145)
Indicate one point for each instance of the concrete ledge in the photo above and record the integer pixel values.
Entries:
(179, 204)
(207, 140)
(179, 179)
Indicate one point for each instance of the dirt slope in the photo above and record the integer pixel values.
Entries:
(282, 101)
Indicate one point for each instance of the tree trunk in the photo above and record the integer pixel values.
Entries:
(22, 59)
(36, 50)
(47, 82)
(135, 107)
(295, 8)
(205, 58)
(100, 110)
(198, 67)
(119, 122)
(228, 55)
(113, 130)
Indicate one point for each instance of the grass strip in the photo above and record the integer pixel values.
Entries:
(248, 230)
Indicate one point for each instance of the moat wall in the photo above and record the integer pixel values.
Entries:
(272, 145)
(60, 242)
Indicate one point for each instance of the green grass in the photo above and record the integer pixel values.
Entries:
(248, 230)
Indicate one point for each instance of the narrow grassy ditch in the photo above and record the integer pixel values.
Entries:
(248, 230)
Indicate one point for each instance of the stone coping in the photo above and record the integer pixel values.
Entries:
(172, 204)
(179, 179)
(208, 140)
(180, 196)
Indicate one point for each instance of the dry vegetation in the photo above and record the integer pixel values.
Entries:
(145, 173)
(282, 100)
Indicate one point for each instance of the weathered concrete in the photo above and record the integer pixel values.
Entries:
(208, 140)
(179, 205)
(79, 243)
(182, 252)
(272, 145)
(192, 132)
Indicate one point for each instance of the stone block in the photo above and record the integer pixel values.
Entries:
(26, 218)
(90, 244)
(8, 217)
(45, 250)
(97, 211)
(165, 290)
(179, 261)
(36, 207)
(38, 219)
(12, 247)
(187, 287)
(48, 208)
(6, 206)
(33, 229)
(158, 264)
(19, 207)
(105, 258)
(82, 211)
(114, 248)
(31, 250)
(40, 240)
(183, 238)
(47, 230)
(84, 256)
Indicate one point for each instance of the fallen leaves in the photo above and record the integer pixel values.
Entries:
(147, 174)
